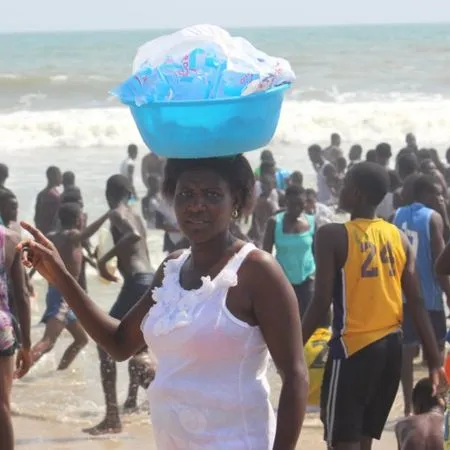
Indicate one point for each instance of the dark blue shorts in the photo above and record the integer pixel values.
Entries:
(9, 351)
(438, 322)
(57, 308)
(133, 288)
(351, 406)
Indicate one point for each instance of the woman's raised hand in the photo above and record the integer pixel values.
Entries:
(41, 254)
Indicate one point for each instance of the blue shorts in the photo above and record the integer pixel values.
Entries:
(438, 322)
(57, 308)
(133, 288)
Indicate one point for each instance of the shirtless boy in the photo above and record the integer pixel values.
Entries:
(423, 430)
(133, 263)
(48, 200)
(57, 316)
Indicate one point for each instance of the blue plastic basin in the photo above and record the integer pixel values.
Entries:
(210, 128)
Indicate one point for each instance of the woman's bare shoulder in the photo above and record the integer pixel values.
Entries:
(258, 264)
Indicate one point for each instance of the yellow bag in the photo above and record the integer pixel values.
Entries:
(316, 352)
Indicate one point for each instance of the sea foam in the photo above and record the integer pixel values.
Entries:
(302, 123)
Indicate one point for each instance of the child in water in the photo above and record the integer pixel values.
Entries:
(423, 430)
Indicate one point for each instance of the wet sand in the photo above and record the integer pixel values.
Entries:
(38, 435)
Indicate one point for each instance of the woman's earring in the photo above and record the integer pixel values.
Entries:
(235, 214)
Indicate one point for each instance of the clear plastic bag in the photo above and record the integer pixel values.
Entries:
(200, 62)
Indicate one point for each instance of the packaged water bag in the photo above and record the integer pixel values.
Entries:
(200, 92)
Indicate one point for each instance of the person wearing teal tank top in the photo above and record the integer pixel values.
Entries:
(291, 232)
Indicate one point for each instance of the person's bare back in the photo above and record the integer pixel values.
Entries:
(47, 201)
(421, 432)
(133, 258)
(69, 247)
(71, 235)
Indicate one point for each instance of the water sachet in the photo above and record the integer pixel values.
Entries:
(199, 63)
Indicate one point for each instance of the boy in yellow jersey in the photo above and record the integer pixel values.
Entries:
(364, 266)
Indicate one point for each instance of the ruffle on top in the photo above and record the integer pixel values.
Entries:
(177, 307)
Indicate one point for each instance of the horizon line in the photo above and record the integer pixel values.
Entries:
(233, 27)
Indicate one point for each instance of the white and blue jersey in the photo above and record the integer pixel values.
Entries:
(414, 220)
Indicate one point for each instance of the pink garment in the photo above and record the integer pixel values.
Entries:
(7, 339)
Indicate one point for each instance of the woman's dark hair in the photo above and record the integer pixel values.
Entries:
(234, 170)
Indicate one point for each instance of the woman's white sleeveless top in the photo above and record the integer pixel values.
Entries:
(210, 391)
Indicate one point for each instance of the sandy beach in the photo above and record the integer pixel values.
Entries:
(38, 435)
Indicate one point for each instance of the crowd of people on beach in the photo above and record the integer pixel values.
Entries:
(362, 295)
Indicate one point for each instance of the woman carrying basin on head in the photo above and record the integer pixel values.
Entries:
(214, 313)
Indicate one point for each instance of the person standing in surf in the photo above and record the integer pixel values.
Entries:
(133, 262)
(48, 201)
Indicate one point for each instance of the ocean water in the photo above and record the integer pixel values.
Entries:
(370, 84)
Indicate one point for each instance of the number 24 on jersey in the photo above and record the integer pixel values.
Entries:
(369, 268)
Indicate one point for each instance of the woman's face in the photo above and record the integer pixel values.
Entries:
(203, 205)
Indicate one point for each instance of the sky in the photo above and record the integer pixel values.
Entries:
(53, 15)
